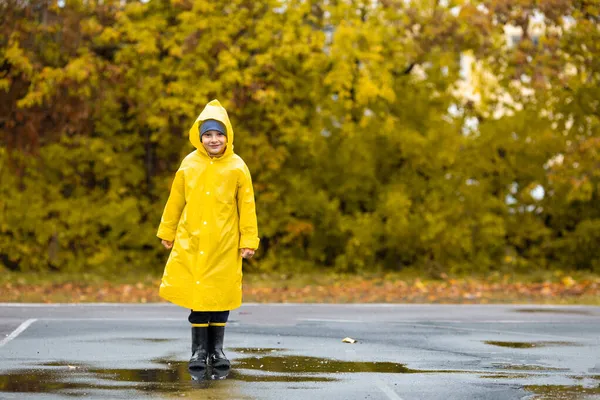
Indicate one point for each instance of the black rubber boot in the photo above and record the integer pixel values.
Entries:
(199, 348)
(216, 357)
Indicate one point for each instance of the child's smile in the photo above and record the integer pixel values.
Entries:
(214, 142)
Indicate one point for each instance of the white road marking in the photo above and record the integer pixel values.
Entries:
(17, 331)
(388, 391)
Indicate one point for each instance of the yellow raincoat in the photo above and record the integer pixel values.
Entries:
(210, 215)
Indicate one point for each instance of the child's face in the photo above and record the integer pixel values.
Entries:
(214, 142)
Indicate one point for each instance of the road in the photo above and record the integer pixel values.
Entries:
(295, 351)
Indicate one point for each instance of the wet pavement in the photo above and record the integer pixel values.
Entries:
(294, 351)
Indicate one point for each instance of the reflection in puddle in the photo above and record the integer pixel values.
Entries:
(547, 392)
(528, 345)
(177, 371)
(137, 340)
(512, 376)
(256, 351)
(237, 375)
(581, 377)
(302, 364)
(168, 377)
(40, 381)
(172, 378)
(526, 367)
(61, 364)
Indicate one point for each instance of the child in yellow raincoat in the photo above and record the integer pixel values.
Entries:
(209, 222)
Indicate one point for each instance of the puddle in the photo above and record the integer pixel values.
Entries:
(237, 375)
(40, 381)
(561, 392)
(512, 376)
(178, 371)
(167, 377)
(155, 340)
(138, 340)
(528, 345)
(553, 311)
(526, 367)
(83, 379)
(257, 365)
(303, 364)
(257, 351)
(61, 364)
(174, 372)
(173, 376)
(584, 377)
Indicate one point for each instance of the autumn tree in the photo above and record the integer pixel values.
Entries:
(380, 135)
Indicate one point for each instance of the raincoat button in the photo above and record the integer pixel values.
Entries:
(201, 252)
(212, 162)
(197, 282)
(207, 193)
(204, 222)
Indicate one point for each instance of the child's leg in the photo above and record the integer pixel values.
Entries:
(199, 317)
(218, 318)
(216, 333)
(199, 321)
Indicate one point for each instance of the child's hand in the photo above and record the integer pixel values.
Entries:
(168, 244)
(247, 253)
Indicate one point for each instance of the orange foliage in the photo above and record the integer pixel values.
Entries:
(350, 290)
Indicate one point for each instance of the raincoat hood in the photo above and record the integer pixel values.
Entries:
(213, 110)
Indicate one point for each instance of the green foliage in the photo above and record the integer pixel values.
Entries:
(367, 151)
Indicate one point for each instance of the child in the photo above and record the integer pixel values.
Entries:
(210, 223)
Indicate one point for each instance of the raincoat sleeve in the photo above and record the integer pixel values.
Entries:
(247, 212)
(173, 209)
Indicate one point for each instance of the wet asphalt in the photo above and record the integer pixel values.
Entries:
(295, 351)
